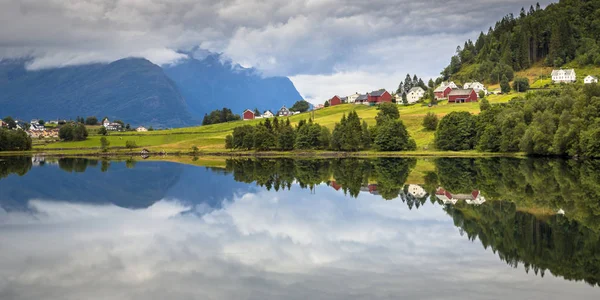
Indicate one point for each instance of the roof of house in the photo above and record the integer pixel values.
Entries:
(362, 97)
(377, 93)
(568, 72)
(461, 92)
(283, 108)
(594, 77)
(472, 84)
(416, 89)
(440, 88)
(267, 111)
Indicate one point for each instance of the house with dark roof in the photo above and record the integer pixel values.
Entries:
(474, 198)
(462, 96)
(380, 96)
(566, 76)
(284, 112)
(362, 99)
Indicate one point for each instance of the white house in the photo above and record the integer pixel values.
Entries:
(590, 79)
(561, 75)
(267, 114)
(141, 129)
(417, 191)
(451, 84)
(352, 98)
(415, 94)
(105, 122)
(477, 86)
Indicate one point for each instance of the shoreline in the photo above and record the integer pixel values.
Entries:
(263, 154)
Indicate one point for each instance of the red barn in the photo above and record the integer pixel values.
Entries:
(248, 115)
(462, 96)
(336, 100)
(442, 92)
(380, 96)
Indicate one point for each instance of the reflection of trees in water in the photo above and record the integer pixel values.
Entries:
(562, 246)
(351, 174)
(552, 184)
(15, 165)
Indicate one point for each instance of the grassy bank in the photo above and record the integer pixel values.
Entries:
(210, 139)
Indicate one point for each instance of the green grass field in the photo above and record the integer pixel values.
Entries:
(211, 137)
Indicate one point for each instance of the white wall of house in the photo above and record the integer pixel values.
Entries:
(590, 79)
(414, 95)
(352, 98)
(477, 86)
(559, 76)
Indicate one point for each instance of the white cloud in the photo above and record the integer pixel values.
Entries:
(266, 245)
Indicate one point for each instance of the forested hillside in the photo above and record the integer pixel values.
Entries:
(563, 34)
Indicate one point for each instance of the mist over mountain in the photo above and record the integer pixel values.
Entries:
(212, 82)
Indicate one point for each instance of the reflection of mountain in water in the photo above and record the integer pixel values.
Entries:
(126, 184)
(91, 181)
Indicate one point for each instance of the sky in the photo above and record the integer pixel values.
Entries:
(326, 47)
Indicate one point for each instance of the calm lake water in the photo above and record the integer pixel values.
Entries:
(294, 229)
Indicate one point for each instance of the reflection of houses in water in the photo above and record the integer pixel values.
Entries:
(335, 185)
(474, 198)
(417, 191)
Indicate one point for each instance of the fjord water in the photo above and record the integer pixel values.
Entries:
(300, 229)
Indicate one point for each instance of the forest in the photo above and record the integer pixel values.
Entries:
(559, 122)
(567, 32)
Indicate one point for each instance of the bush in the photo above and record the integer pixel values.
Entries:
(73, 132)
(104, 143)
(130, 144)
(102, 131)
(456, 132)
(14, 140)
(521, 84)
(430, 121)
(91, 120)
(393, 136)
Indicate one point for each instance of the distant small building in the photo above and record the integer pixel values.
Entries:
(284, 112)
(564, 76)
(3, 124)
(590, 79)
(352, 98)
(378, 97)
(477, 86)
(415, 94)
(462, 96)
(141, 129)
(105, 123)
(114, 127)
(36, 127)
(442, 91)
(248, 115)
(335, 100)
(319, 106)
(267, 114)
(362, 99)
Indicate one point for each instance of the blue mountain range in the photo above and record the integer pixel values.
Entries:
(139, 92)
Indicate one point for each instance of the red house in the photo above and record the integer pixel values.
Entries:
(248, 115)
(442, 92)
(336, 100)
(380, 96)
(462, 96)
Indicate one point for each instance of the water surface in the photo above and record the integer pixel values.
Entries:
(300, 229)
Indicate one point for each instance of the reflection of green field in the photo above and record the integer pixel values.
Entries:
(212, 137)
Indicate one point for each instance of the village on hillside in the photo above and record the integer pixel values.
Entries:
(446, 90)
(40, 129)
